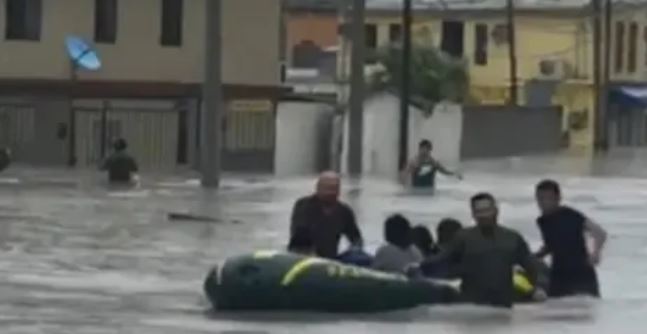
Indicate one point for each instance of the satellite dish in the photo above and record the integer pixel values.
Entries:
(82, 54)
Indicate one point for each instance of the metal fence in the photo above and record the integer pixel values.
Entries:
(249, 136)
(151, 133)
(16, 127)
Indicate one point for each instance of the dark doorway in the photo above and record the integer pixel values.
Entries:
(182, 138)
(453, 38)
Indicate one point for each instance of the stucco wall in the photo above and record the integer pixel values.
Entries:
(250, 43)
(381, 135)
(301, 129)
(490, 132)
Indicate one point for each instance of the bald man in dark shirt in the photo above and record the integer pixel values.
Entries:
(325, 218)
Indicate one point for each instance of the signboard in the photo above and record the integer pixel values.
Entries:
(250, 106)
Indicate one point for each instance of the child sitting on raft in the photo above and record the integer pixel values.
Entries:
(423, 240)
(446, 231)
(399, 251)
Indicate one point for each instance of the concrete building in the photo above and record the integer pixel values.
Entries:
(152, 52)
(554, 45)
(311, 28)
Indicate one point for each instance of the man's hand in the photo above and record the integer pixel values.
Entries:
(539, 295)
(413, 270)
(594, 258)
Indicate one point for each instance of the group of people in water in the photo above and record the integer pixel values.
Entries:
(484, 257)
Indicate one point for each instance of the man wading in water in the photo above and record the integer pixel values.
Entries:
(421, 171)
(120, 165)
(564, 231)
(325, 218)
(486, 255)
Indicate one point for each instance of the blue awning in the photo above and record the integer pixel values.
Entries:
(632, 97)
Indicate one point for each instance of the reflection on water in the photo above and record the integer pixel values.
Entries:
(78, 258)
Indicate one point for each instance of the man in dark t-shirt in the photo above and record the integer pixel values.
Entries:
(564, 231)
(325, 218)
(121, 167)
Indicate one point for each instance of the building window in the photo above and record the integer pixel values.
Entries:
(105, 21)
(371, 36)
(23, 19)
(633, 48)
(481, 44)
(172, 18)
(620, 46)
(395, 33)
(453, 38)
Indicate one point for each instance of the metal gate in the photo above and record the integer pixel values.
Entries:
(249, 138)
(150, 130)
(628, 128)
(16, 127)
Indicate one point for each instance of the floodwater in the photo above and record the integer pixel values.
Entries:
(76, 257)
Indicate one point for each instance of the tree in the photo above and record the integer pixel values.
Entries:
(435, 76)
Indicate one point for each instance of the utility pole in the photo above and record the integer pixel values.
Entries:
(603, 109)
(357, 89)
(405, 84)
(211, 122)
(71, 143)
(512, 53)
(599, 124)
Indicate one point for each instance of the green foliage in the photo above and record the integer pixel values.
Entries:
(435, 76)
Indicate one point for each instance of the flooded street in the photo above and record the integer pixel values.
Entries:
(79, 258)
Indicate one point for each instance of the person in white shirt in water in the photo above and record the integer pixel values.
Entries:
(421, 171)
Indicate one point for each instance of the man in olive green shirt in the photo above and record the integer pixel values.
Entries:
(485, 256)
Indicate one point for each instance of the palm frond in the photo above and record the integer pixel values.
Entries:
(434, 76)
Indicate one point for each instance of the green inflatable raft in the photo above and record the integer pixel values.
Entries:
(281, 281)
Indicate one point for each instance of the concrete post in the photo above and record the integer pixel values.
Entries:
(212, 95)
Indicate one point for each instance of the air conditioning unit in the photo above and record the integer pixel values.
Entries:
(553, 69)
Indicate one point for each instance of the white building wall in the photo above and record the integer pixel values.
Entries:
(299, 127)
(381, 135)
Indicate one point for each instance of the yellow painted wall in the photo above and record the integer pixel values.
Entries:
(575, 99)
(537, 38)
(568, 39)
(250, 43)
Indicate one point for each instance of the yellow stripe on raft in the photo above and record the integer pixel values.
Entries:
(299, 268)
(521, 283)
(264, 254)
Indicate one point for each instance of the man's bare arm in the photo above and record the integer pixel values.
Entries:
(599, 235)
(444, 170)
(405, 175)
